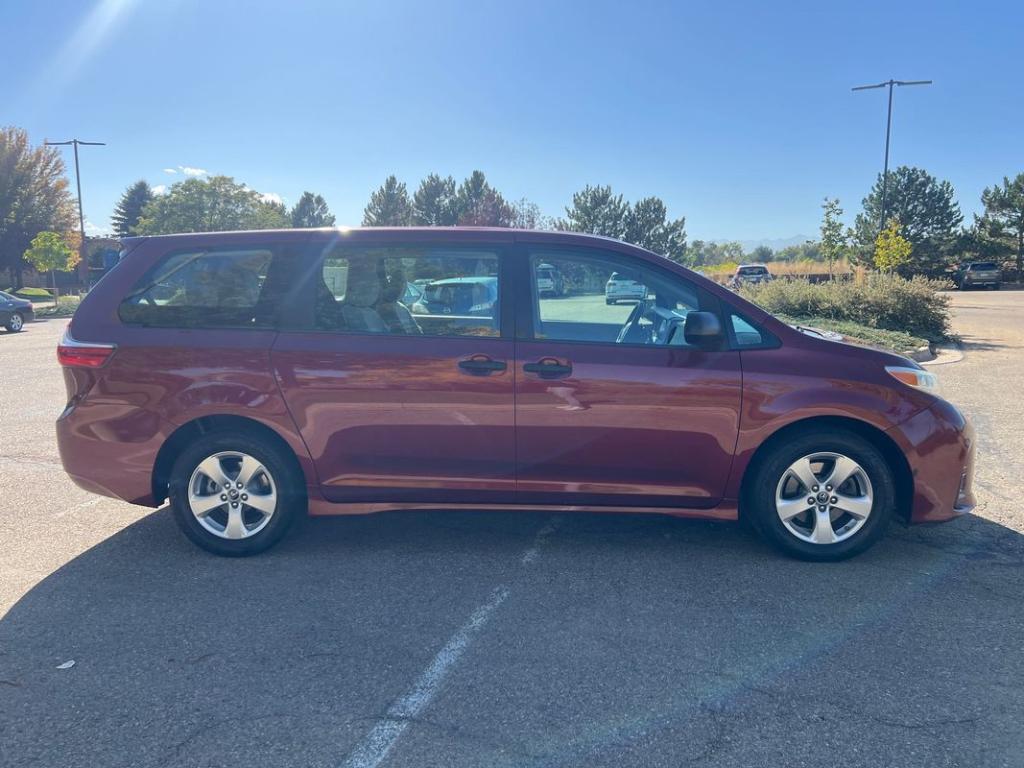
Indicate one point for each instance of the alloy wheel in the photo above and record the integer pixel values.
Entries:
(824, 498)
(232, 495)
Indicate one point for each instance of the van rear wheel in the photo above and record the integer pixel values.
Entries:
(234, 494)
(822, 495)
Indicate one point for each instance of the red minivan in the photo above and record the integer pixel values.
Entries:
(252, 376)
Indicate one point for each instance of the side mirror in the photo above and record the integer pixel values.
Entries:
(702, 328)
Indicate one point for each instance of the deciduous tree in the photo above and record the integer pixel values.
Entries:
(834, 241)
(210, 205)
(34, 197)
(892, 250)
(48, 252)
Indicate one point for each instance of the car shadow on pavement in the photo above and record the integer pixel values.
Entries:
(621, 630)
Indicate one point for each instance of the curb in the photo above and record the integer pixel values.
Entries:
(923, 354)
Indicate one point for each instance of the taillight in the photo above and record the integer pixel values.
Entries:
(82, 354)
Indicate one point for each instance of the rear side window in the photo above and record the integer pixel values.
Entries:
(407, 290)
(205, 289)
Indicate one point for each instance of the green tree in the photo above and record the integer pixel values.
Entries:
(761, 254)
(311, 211)
(34, 197)
(389, 205)
(434, 204)
(129, 208)
(480, 205)
(807, 251)
(928, 213)
(834, 241)
(646, 224)
(48, 252)
(999, 231)
(596, 211)
(705, 253)
(209, 205)
(892, 250)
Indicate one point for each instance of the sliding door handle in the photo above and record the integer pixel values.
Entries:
(548, 368)
(481, 365)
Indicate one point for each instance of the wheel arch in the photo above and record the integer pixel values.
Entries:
(203, 425)
(902, 474)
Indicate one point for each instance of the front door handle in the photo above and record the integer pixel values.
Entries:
(481, 365)
(548, 368)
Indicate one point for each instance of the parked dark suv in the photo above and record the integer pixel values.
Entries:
(977, 274)
(250, 376)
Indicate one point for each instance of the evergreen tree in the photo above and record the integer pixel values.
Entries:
(999, 231)
(596, 211)
(129, 208)
(389, 206)
(646, 224)
(434, 204)
(928, 214)
(480, 205)
(311, 211)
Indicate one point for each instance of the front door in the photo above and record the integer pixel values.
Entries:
(399, 376)
(612, 405)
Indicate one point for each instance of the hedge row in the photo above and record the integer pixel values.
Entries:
(913, 306)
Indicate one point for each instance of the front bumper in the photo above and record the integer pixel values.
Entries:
(939, 444)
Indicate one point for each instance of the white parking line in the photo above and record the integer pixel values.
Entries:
(375, 747)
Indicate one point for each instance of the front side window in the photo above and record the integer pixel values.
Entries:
(608, 298)
(202, 289)
(408, 290)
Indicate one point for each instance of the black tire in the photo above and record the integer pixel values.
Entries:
(769, 469)
(610, 302)
(998, 286)
(15, 325)
(291, 498)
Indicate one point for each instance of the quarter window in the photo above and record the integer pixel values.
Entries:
(408, 291)
(593, 297)
(205, 289)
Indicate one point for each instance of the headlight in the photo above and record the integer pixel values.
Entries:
(914, 377)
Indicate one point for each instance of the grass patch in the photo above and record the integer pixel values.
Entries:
(32, 294)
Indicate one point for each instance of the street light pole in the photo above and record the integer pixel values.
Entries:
(888, 130)
(78, 185)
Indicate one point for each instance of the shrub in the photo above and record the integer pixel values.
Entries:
(890, 302)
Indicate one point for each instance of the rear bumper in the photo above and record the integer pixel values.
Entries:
(939, 444)
(111, 453)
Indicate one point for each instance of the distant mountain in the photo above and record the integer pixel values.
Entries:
(775, 244)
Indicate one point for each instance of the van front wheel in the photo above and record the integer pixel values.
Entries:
(822, 495)
(234, 494)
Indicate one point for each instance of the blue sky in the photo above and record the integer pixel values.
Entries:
(738, 115)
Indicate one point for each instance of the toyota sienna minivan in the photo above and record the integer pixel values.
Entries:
(251, 376)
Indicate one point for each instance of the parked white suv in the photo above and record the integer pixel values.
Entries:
(621, 288)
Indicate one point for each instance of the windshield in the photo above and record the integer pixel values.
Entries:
(748, 271)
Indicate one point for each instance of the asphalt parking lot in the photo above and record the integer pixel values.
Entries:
(485, 639)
